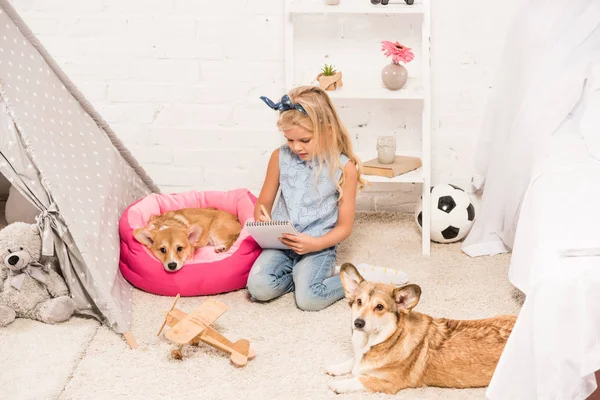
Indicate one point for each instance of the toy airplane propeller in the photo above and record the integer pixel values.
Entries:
(194, 328)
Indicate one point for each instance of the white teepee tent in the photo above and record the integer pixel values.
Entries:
(60, 154)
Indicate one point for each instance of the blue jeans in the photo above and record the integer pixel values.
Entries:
(277, 272)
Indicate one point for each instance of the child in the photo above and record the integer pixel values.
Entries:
(318, 174)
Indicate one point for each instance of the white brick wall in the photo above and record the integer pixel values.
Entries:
(179, 80)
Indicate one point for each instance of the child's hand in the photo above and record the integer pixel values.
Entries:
(301, 244)
(264, 219)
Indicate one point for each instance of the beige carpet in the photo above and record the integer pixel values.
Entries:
(293, 347)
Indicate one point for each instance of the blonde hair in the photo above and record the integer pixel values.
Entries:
(330, 135)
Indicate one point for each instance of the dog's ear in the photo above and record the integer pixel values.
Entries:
(194, 233)
(407, 297)
(351, 278)
(144, 236)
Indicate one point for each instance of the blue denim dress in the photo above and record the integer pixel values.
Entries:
(311, 203)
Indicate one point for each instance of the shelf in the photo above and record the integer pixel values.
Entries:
(361, 85)
(411, 91)
(363, 8)
(415, 176)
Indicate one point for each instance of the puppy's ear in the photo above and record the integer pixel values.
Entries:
(407, 297)
(144, 236)
(194, 233)
(351, 278)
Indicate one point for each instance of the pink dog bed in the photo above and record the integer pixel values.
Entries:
(208, 272)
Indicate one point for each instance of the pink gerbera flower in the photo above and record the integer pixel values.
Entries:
(397, 51)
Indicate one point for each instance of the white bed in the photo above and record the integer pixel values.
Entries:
(538, 165)
(554, 349)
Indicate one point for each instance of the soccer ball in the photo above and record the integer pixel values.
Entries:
(452, 213)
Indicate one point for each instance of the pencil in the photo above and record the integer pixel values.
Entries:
(264, 211)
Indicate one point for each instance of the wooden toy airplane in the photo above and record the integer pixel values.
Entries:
(194, 328)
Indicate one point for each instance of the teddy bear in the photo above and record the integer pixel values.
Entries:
(29, 289)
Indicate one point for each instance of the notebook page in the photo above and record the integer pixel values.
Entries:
(267, 234)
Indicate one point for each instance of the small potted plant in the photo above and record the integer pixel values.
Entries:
(394, 75)
(329, 78)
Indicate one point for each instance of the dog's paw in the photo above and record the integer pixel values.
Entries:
(220, 248)
(336, 387)
(336, 370)
(342, 368)
(345, 386)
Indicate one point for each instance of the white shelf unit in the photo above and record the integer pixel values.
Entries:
(412, 90)
(416, 89)
(364, 7)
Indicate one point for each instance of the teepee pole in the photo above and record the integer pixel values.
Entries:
(130, 340)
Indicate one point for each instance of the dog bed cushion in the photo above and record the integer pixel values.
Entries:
(208, 272)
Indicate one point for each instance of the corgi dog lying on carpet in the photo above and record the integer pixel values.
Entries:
(397, 348)
(174, 237)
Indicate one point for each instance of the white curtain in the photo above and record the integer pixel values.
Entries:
(548, 54)
(590, 121)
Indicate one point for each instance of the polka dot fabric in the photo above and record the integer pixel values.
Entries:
(76, 164)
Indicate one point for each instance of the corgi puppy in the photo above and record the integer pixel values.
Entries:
(174, 237)
(397, 348)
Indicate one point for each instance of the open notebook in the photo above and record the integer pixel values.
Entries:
(267, 234)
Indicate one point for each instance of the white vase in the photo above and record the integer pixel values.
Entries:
(332, 2)
(394, 76)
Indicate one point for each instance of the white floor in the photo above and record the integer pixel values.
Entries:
(82, 360)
